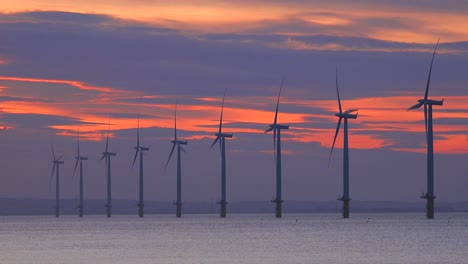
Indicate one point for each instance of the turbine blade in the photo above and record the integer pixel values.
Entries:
(222, 109)
(78, 147)
(53, 152)
(76, 166)
(61, 156)
(103, 156)
(214, 142)
(277, 103)
(181, 148)
(338, 92)
(51, 176)
(268, 130)
(134, 159)
(425, 118)
(334, 139)
(350, 111)
(274, 143)
(175, 123)
(426, 94)
(415, 106)
(170, 155)
(107, 139)
(138, 131)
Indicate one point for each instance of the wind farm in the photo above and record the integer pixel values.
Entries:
(141, 131)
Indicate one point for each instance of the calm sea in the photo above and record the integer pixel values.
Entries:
(301, 238)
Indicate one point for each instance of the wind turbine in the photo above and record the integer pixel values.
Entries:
(140, 149)
(107, 155)
(55, 169)
(220, 137)
(428, 103)
(79, 159)
(343, 116)
(179, 144)
(277, 152)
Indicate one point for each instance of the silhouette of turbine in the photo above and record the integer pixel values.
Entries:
(107, 155)
(140, 149)
(276, 128)
(79, 159)
(428, 103)
(55, 168)
(343, 116)
(179, 144)
(220, 138)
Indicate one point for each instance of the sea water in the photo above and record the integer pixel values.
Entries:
(296, 238)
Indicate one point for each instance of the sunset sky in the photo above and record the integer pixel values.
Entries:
(69, 65)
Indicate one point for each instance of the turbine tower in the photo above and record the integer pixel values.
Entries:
(79, 159)
(140, 149)
(179, 144)
(107, 155)
(428, 103)
(55, 169)
(220, 137)
(277, 152)
(343, 116)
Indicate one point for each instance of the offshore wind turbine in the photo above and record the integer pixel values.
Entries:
(107, 155)
(55, 169)
(276, 128)
(220, 138)
(79, 159)
(139, 149)
(179, 144)
(428, 103)
(343, 116)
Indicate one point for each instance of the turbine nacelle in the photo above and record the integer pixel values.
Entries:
(431, 102)
(225, 135)
(347, 115)
(81, 158)
(179, 142)
(142, 148)
(106, 153)
(276, 126)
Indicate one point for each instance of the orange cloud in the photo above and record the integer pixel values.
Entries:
(403, 22)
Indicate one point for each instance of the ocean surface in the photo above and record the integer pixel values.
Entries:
(296, 238)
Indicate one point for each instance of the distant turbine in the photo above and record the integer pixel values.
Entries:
(220, 137)
(140, 149)
(429, 195)
(79, 159)
(56, 163)
(179, 144)
(107, 155)
(343, 115)
(277, 152)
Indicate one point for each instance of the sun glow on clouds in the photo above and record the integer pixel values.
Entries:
(198, 117)
(384, 20)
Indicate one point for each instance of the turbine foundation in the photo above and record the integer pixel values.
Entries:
(178, 210)
(57, 212)
(222, 212)
(429, 206)
(109, 211)
(80, 211)
(278, 208)
(140, 210)
(345, 208)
